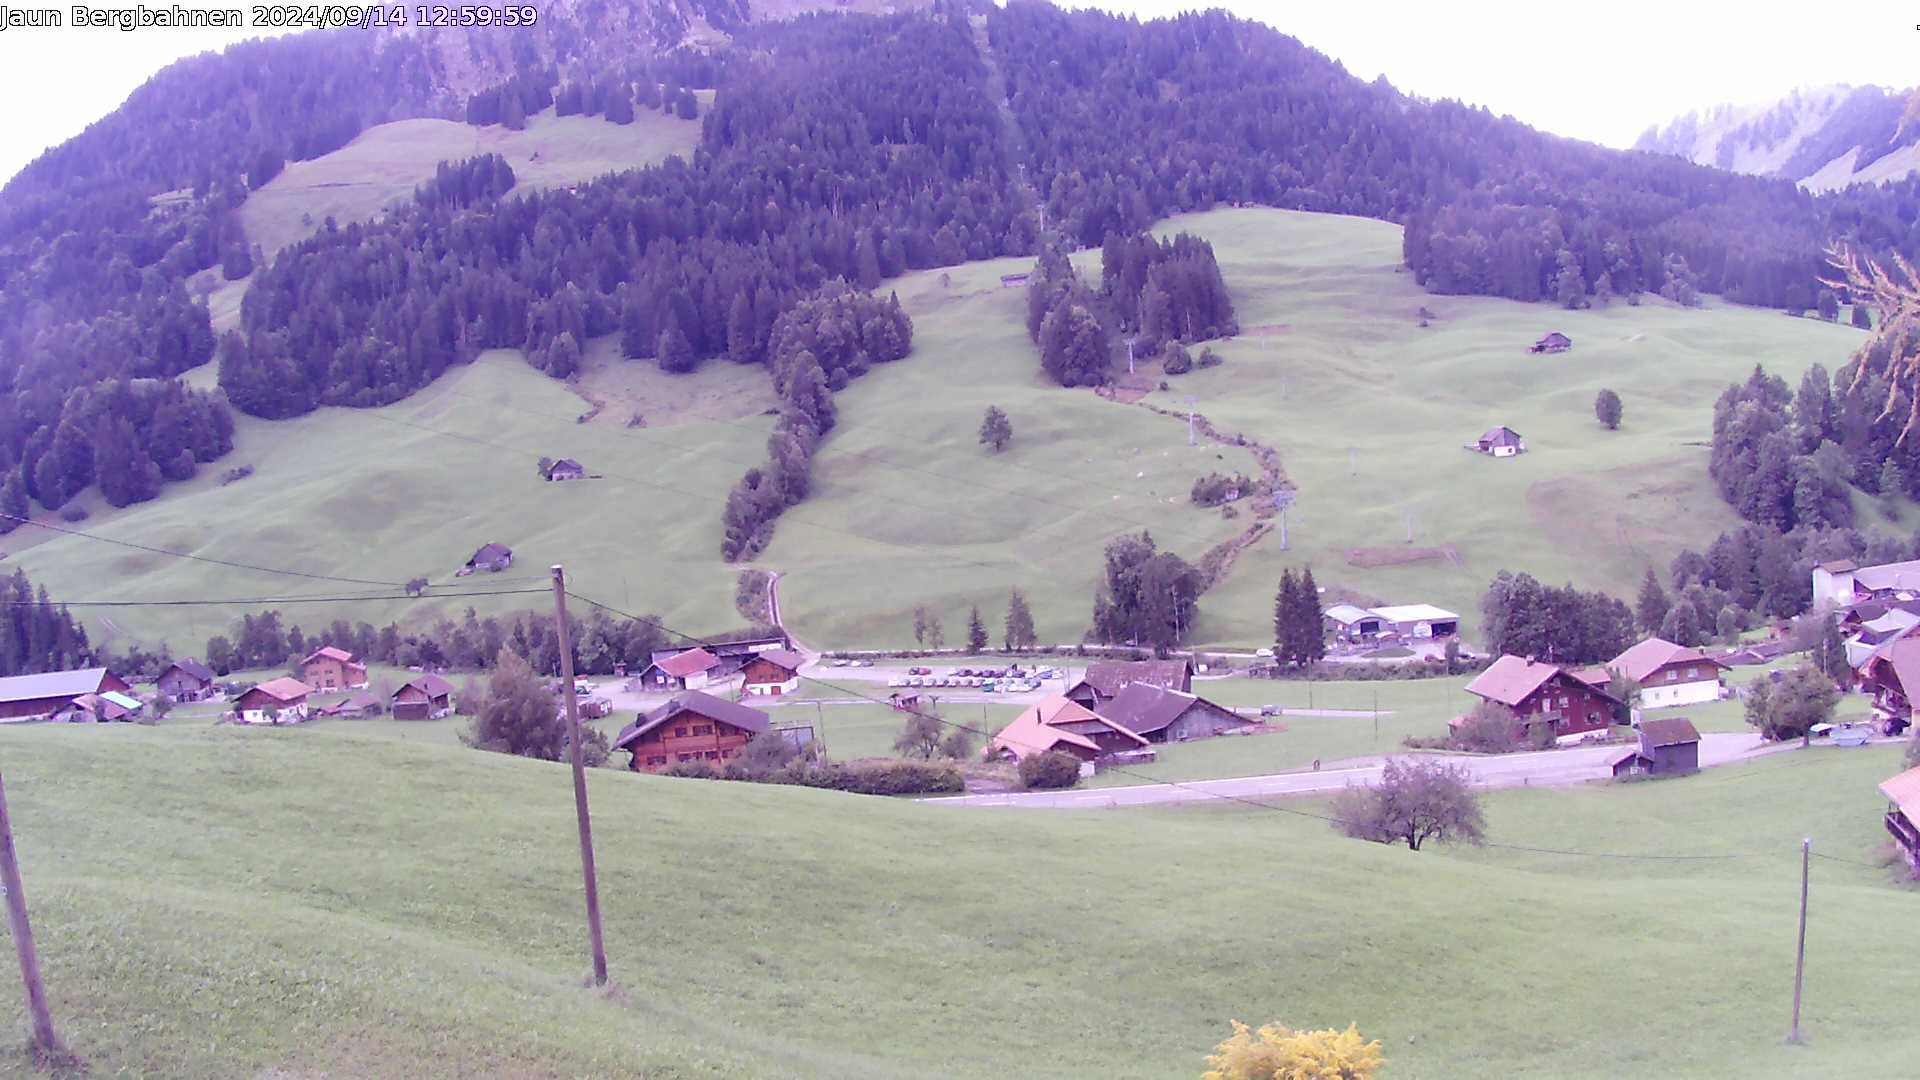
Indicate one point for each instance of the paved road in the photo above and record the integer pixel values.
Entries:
(1550, 767)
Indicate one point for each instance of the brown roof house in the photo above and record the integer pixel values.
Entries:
(772, 673)
(1892, 676)
(1059, 724)
(280, 701)
(1500, 441)
(37, 697)
(492, 558)
(328, 668)
(1554, 342)
(1161, 715)
(423, 697)
(692, 726)
(1545, 694)
(1105, 679)
(1903, 815)
(690, 669)
(359, 704)
(186, 680)
(566, 469)
(1669, 746)
(1670, 674)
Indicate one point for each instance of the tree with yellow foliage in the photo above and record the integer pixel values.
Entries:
(1276, 1052)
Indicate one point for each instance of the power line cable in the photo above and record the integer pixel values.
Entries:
(264, 601)
(229, 563)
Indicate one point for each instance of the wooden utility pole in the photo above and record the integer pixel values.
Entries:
(43, 1036)
(579, 777)
(1800, 954)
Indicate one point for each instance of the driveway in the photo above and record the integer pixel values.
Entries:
(1550, 767)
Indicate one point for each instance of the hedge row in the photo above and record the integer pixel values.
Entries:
(860, 778)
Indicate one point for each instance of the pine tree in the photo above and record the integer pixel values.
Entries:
(742, 343)
(1020, 633)
(976, 632)
(1310, 641)
(1652, 607)
(13, 502)
(996, 430)
(675, 352)
(1284, 603)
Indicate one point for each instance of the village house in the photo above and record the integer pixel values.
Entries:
(1160, 715)
(687, 669)
(354, 706)
(186, 680)
(1500, 441)
(771, 674)
(1545, 694)
(492, 558)
(1351, 623)
(692, 726)
(328, 668)
(279, 701)
(1554, 342)
(1903, 815)
(38, 697)
(566, 469)
(423, 697)
(1669, 746)
(108, 706)
(1841, 583)
(1059, 724)
(1105, 679)
(1670, 674)
(1888, 675)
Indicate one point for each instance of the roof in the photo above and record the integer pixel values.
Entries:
(1415, 613)
(431, 685)
(1059, 711)
(52, 684)
(1903, 656)
(1894, 619)
(1593, 675)
(1348, 613)
(194, 668)
(1839, 566)
(1028, 735)
(783, 658)
(129, 703)
(359, 699)
(693, 701)
(1143, 709)
(1553, 335)
(691, 662)
(328, 652)
(283, 689)
(1904, 792)
(1108, 676)
(1512, 679)
(1668, 731)
(1646, 657)
(490, 552)
(1899, 575)
(1500, 436)
(565, 463)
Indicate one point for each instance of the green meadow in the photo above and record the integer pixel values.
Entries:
(1368, 410)
(218, 902)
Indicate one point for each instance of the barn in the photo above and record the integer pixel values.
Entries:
(423, 697)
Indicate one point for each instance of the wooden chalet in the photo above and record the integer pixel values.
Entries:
(1903, 815)
(423, 697)
(1892, 676)
(39, 697)
(1500, 441)
(692, 726)
(1545, 694)
(1669, 746)
(1106, 678)
(1554, 342)
(186, 680)
(566, 469)
(1057, 723)
(1160, 715)
(771, 673)
(279, 701)
(329, 668)
(1670, 674)
(491, 558)
(686, 669)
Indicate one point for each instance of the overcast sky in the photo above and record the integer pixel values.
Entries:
(1600, 72)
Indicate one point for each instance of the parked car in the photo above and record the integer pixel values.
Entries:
(1264, 654)
(838, 661)
(1269, 710)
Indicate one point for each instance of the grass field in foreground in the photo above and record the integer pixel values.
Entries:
(238, 903)
(383, 165)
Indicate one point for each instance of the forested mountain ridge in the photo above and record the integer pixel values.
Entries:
(1822, 137)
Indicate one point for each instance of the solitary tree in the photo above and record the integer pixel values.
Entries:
(1414, 802)
(1791, 707)
(996, 430)
(1277, 1053)
(976, 631)
(1651, 609)
(519, 715)
(936, 637)
(1606, 407)
(1019, 629)
(921, 618)
(921, 736)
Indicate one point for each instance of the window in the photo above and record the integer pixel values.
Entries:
(1672, 674)
(685, 757)
(703, 729)
(679, 733)
(713, 755)
(657, 759)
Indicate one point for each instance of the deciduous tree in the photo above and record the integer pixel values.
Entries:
(1279, 1053)
(1606, 408)
(996, 430)
(1415, 801)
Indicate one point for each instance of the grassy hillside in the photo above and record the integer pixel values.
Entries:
(307, 902)
(385, 163)
(1367, 409)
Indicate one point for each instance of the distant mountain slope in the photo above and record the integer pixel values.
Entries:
(1823, 137)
